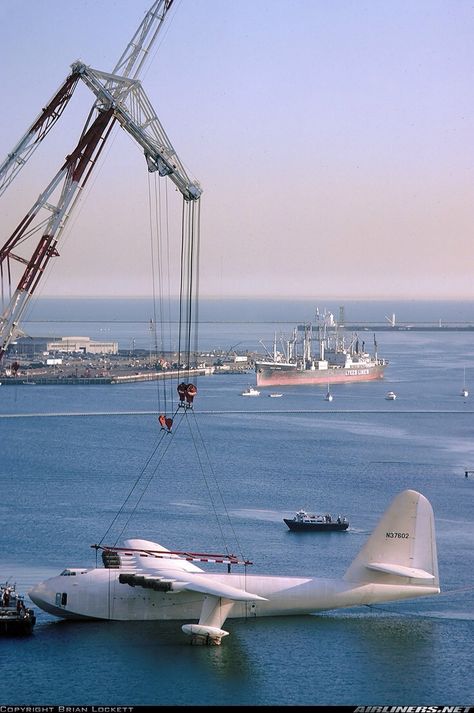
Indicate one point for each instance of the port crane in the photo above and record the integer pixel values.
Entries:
(120, 99)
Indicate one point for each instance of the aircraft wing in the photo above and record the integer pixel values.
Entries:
(174, 581)
(205, 585)
(170, 573)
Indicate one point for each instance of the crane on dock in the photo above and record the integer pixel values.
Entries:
(119, 99)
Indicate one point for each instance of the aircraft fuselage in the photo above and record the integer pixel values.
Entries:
(98, 594)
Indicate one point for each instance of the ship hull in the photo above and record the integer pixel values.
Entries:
(286, 375)
(17, 625)
(296, 526)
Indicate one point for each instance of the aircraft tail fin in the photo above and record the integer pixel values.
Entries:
(402, 546)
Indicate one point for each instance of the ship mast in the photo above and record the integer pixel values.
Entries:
(119, 98)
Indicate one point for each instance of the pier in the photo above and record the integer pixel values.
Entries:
(410, 327)
(112, 378)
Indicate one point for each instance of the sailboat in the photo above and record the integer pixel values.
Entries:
(142, 580)
(328, 396)
(464, 390)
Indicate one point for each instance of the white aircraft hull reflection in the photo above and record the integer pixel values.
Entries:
(398, 561)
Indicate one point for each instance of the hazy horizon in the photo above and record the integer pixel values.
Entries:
(245, 310)
(333, 142)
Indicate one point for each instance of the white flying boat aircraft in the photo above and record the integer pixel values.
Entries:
(145, 581)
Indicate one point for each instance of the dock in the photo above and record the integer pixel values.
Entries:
(118, 378)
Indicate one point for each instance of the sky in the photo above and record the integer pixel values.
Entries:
(334, 142)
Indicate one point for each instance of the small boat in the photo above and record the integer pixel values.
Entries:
(304, 521)
(250, 392)
(464, 391)
(275, 396)
(15, 617)
(328, 396)
(391, 396)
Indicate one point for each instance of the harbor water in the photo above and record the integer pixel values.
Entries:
(234, 469)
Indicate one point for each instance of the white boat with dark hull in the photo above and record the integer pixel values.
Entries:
(309, 522)
(250, 391)
(144, 581)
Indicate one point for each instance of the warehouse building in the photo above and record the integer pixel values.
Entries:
(35, 346)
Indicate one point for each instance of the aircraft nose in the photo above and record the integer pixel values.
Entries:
(36, 595)
(43, 597)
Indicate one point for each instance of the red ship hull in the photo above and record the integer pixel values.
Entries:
(284, 375)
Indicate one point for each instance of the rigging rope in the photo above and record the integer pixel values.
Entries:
(145, 479)
(139, 478)
(215, 483)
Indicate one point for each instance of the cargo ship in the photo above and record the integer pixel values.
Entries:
(318, 354)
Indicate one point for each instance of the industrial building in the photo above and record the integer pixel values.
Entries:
(32, 347)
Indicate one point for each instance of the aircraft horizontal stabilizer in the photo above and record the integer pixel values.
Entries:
(400, 570)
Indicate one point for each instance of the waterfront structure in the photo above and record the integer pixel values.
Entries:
(34, 346)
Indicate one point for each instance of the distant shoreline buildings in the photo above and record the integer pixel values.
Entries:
(34, 346)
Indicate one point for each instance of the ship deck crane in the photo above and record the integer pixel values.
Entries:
(119, 98)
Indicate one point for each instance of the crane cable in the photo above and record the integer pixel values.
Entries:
(189, 285)
(188, 224)
(187, 349)
(188, 342)
(159, 246)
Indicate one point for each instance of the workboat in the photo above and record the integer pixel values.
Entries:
(250, 392)
(15, 617)
(304, 521)
(318, 354)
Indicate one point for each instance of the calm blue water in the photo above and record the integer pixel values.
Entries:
(65, 476)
